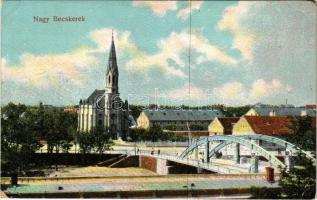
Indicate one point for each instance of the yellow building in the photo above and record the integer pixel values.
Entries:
(265, 125)
(222, 125)
(179, 119)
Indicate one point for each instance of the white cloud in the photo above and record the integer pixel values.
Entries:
(173, 48)
(49, 70)
(260, 88)
(158, 7)
(102, 37)
(237, 93)
(243, 38)
(54, 70)
(196, 93)
(231, 92)
(184, 13)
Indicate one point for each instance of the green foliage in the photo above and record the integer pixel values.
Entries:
(135, 110)
(154, 134)
(137, 134)
(236, 111)
(304, 134)
(85, 141)
(22, 127)
(196, 127)
(19, 138)
(59, 127)
(265, 193)
(300, 181)
(101, 139)
(97, 139)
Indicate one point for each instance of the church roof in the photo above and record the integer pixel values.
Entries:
(96, 95)
(182, 115)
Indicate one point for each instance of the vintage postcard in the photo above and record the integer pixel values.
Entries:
(158, 99)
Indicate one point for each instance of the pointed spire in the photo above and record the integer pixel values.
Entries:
(112, 62)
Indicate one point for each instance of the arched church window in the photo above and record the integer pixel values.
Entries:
(109, 79)
(99, 122)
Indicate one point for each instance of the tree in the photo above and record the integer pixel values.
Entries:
(101, 139)
(85, 141)
(135, 110)
(235, 111)
(18, 137)
(300, 181)
(138, 134)
(304, 135)
(58, 127)
(196, 127)
(155, 132)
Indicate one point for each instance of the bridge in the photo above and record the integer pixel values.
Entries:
(211, 162)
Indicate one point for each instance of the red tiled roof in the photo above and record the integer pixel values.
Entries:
(227, 123)
(268, 125)
(311, 106)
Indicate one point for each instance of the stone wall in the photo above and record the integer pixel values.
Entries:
(130, 161)
(149, 163)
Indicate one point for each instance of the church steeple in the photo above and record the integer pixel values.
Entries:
(112, 74)
(112, 62)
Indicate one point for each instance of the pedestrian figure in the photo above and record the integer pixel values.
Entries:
(158, 152)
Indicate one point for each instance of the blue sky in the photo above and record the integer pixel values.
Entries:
(241, 52)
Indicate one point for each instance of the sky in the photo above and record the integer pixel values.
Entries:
(237, 53)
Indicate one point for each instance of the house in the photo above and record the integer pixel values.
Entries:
(311, 106)
(281, 111)
(70, 110)
(179, 119)
(265, 125)
(222, 125)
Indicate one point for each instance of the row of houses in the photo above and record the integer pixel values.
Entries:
(248, 125)
(217, 123)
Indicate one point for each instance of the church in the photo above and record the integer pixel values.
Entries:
(105, 107)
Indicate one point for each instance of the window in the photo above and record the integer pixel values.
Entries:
(99, 122)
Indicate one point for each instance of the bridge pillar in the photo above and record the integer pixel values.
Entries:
(196, 152)
(237, 153)
(199, 169)
(288, 161)
(254, 164)
(207, 159)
